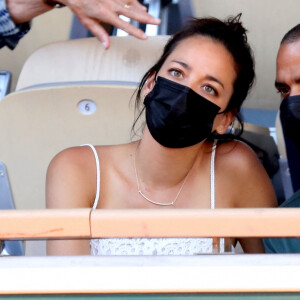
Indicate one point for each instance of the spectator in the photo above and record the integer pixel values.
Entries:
(190, 97)
(288, 85)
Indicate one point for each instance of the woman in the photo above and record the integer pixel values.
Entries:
(192, 94)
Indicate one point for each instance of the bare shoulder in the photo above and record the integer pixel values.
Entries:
(245, 175)
(71, 178)
(237, 154)
(71, 161)
(72, 174)
(79, 159)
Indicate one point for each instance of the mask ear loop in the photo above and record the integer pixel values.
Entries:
(230, 129)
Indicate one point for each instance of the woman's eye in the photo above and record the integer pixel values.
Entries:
(209, 90)
(176, 73)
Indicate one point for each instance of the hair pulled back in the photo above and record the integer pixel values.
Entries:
(232, 35)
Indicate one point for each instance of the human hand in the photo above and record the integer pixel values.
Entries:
(91, 12)
(22, 11)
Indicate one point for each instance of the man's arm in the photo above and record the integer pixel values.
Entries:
(10, 32)
(22, 11)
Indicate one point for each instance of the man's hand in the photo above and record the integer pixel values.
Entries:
(91, 12)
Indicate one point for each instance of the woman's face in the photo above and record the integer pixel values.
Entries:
(205, 66)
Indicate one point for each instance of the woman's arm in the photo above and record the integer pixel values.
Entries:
(70, 183)
(251, 186)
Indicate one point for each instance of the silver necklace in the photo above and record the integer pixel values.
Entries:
(148, 199)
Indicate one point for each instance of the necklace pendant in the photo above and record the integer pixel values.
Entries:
(154, 202)
(148, 199)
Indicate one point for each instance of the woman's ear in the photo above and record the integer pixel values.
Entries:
(227, 119)
(149, 84)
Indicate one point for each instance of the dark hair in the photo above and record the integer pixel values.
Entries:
(232, 35)
(293, 35)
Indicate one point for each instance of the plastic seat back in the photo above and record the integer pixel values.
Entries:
(86, 60)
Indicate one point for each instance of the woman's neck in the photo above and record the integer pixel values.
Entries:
(160, 167)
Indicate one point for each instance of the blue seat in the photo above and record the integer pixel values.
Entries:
(6, 202)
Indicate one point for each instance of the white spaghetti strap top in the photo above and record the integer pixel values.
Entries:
(212, 175)
(97, 175)
(157, 246)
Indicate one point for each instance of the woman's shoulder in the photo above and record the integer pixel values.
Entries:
(73, 172)
(83, 157)
(239, 161)
(244, 174)
(74, 158)
(68, 175)
(237, 153)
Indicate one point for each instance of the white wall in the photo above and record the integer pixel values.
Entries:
(267, 21)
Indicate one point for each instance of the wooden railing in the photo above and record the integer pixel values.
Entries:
(237, 273)
(84, 223)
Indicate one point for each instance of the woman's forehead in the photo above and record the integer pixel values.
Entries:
(204, 53)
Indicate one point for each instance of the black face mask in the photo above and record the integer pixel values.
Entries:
(290, 119)
(176, 116)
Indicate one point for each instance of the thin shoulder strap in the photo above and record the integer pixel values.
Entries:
(212, 175)
(98, 175)
(219, 242)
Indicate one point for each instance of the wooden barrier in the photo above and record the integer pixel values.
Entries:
(44, 224)
(199, 274)
(84, 223)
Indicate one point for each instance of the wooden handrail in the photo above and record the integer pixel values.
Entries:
(44, 224)
(84, 223)
(262, 222)
(109, 275)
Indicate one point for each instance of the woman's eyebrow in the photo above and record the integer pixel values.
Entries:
(208, 77)
(212, 78)
(183, 64)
